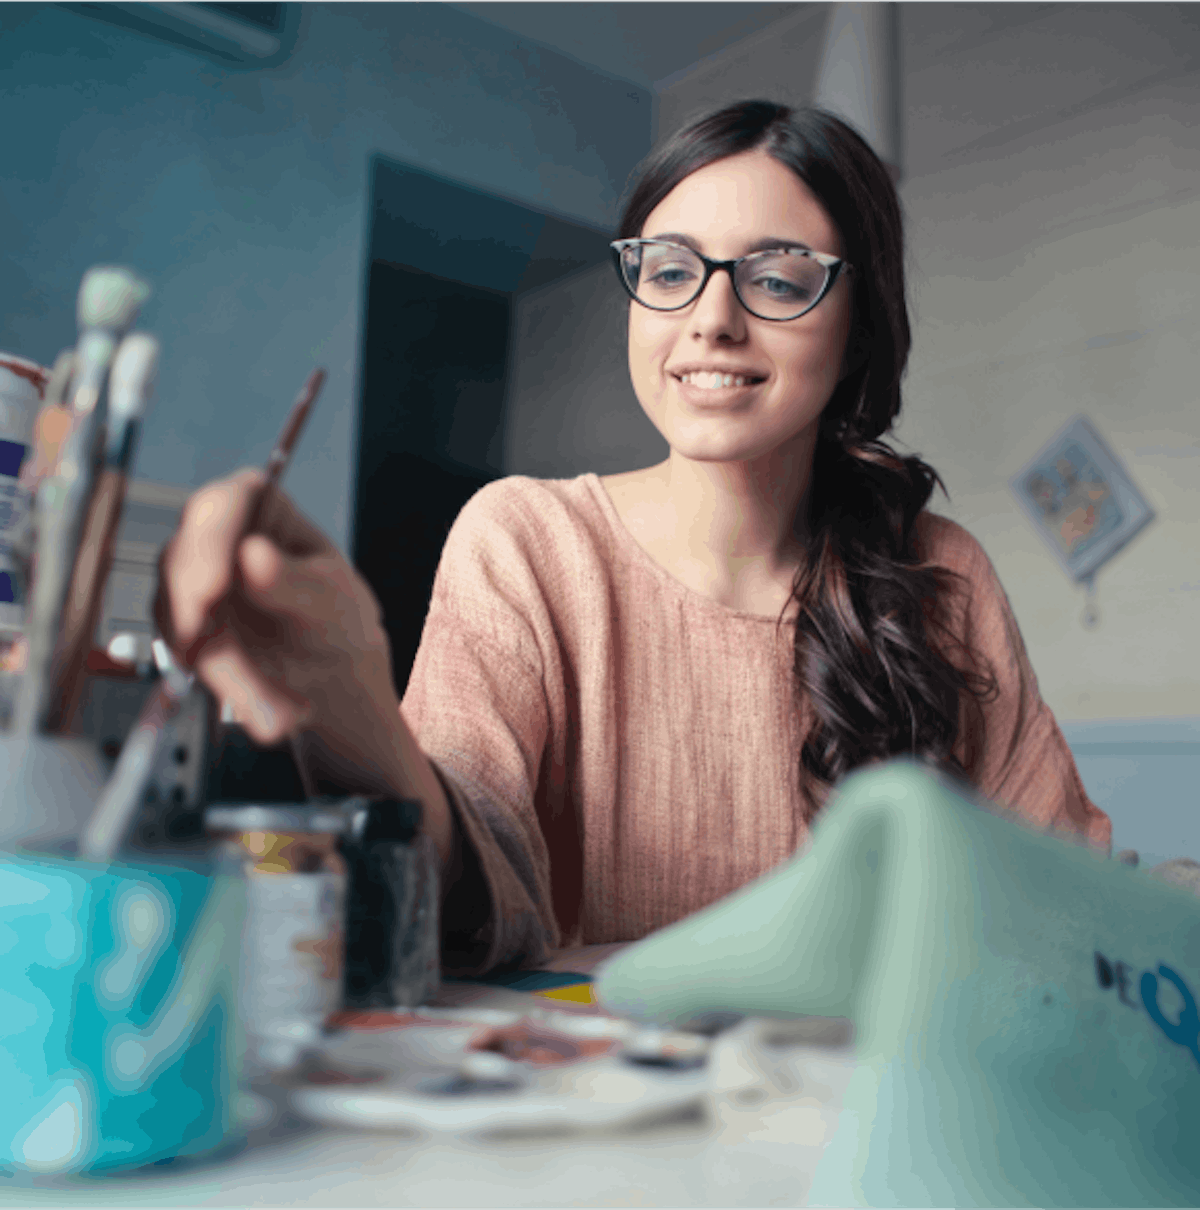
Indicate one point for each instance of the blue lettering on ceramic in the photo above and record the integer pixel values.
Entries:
(1186, 1031)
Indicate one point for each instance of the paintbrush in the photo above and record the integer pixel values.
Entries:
(125, 790)
(277, 465)
(288, 438)
(109, 300)
(130, 385)
(123, 795)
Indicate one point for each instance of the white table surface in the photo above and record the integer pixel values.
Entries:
(714, 1154)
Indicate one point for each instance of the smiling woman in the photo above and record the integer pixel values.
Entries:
(762, 252)
(785, 474)
(633, 694)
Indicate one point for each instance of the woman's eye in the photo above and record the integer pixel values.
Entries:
(780, 288)
(669, 277)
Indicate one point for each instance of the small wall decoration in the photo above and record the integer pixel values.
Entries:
(1082, 501)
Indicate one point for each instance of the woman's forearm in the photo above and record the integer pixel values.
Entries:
(385, 760)
(415, 778)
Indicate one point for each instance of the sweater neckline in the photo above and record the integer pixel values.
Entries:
(688, 595)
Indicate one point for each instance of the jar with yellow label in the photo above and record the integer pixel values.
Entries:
(294, 946)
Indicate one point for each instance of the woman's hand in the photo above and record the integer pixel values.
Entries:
(285, 630)
(278, 624)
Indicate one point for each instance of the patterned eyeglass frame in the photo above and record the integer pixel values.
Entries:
(834, 266)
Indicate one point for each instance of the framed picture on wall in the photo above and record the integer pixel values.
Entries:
(1081, 499)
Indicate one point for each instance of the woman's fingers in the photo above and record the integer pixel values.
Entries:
(274, 622)
(291, 530)
(199, 563)
(278, 629)
(294, 589)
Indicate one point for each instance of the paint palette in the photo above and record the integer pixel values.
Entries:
(469, 1072)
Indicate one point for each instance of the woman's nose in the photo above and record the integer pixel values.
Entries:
(717, 310)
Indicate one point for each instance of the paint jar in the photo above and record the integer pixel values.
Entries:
(22, 390)
(293, 946)
(393, 920)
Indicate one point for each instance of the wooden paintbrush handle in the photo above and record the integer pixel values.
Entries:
(85, 599)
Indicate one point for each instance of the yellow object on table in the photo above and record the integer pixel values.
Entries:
(576, 993)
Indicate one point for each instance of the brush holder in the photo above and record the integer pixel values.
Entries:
(122, 1042)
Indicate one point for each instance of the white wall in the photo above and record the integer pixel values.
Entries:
(570, 404)
(1052, 191)
(778, 64)
(1053, 204)
(241, 194)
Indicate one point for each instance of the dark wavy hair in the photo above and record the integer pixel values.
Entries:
(868, 604)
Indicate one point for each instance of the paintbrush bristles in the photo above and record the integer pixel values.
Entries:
(132, 379)
(92, 358)
(60, 379)
(110, 297)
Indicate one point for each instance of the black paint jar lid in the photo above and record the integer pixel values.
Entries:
(390, 821)
(243, 772)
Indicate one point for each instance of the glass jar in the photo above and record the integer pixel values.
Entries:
(294, 939)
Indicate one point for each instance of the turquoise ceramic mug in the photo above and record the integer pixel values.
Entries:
(120, 1040)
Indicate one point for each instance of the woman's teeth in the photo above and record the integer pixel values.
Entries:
(712, 381)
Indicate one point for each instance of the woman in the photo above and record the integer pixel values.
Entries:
(633, 694)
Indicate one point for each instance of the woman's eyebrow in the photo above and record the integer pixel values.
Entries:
(767, 244)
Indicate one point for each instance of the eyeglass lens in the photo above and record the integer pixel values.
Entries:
(775, 285)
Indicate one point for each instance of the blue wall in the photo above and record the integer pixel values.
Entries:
(241, 194)
(1145, 772)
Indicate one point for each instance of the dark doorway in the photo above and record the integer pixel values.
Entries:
(434, 376)
(445, 265)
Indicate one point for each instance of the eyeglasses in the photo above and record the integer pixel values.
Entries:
(779, 285)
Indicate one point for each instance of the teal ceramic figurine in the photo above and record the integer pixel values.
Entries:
(1025, 1011)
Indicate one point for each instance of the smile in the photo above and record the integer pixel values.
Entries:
(713, 381)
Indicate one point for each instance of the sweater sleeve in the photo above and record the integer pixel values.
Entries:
(1010, 744)
(476, 703)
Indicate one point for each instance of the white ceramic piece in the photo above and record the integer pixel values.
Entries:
(48, 788)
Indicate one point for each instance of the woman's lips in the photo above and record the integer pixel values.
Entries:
(710, 396)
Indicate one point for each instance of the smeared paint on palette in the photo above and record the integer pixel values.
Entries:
(465, 1070)
(527, 1042)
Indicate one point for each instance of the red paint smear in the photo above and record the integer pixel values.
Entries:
(30, 371)
(100, 663)
(331, 1076)
(378, 1020)
(534, 1044)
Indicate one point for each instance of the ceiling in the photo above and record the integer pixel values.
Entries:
(977, 76)
(645, 41)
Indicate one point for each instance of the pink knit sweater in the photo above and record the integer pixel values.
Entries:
(621, 751)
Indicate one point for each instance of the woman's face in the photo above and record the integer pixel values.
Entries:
(727, 210)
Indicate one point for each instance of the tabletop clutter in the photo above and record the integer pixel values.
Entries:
(180, 976)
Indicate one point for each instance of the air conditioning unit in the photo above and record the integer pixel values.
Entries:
(238, 35)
